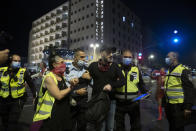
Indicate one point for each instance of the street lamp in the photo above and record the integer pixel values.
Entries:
(175, 32)
(151, 56)
(94, 46)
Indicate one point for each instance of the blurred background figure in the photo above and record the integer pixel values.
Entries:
(160, 91)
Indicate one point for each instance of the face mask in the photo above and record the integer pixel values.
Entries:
(81, 63)
(168, 61)
(127, 61)
(59, 70)
(16, 65)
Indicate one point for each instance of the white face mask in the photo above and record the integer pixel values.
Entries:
(81, 63)
(168, 61)
(16, 65)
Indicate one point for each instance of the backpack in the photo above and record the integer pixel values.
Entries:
(98, 108)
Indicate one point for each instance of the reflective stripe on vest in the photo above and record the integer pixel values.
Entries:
(173, 86)
(17, 84)
(129, 90)
(45, 101)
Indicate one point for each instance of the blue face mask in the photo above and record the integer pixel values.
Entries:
(127, 61)
(16, 65)
(168, 61)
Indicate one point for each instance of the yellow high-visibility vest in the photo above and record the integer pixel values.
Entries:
(45, 101)
(17, 84)
(130, 90)
(173, 85)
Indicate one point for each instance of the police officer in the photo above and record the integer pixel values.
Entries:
(178, 91)
(77, 71)
(126, 94)
(12, 92)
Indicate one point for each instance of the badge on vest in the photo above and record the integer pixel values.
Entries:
(133, 76)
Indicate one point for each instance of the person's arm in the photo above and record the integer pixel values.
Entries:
(141, 84)
(54, 90)
(188, 87)
(27, 78)
(120, 78)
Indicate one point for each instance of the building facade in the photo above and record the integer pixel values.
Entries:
(86, 22)
(50, 29)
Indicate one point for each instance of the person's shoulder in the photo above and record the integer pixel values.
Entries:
(93, 64)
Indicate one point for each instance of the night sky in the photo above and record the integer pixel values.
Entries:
(162, 16)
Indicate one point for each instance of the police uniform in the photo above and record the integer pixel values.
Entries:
(13, 95)
(178, 94)
(125, 95)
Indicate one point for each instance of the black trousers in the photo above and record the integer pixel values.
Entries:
(175, 116)
(133, 110)
(10, 111)
(79, 122)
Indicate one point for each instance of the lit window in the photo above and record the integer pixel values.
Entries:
(132, 24)
(124, 19)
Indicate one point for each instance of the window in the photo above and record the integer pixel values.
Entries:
(83, 8)
(87, 26)
(83, 38)
(92, 4)
(79, 19)
(113, 10)
(113, 31)
(74, 21)
(92, 25)
(92, 36)
(87, 37)
(78, 29)
(113, 21)
(74, 31)
(92, 14)
(124, 18)
(83, 28)
(87, 6)
(75, 11)
(79, 10)
(132, 24)
(87, 16)
(82, 17)
(78, 39)
(113, 41)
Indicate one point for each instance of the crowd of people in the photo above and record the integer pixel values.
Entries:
(63, 101)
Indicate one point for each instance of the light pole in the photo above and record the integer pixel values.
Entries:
(94, 46)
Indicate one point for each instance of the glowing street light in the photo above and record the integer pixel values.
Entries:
(94, 46)
(175, 40)
(175, 32)
(151, 56)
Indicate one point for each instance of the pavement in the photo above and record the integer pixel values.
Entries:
(149, 115)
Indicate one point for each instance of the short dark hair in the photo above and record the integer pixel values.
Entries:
(108, 50)
(52, 60)
(78, 50)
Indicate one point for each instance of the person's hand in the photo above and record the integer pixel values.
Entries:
(74, 81)
(86, 75)
(81, 91)
(4, 56)
(107, 87)
(187, 114)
